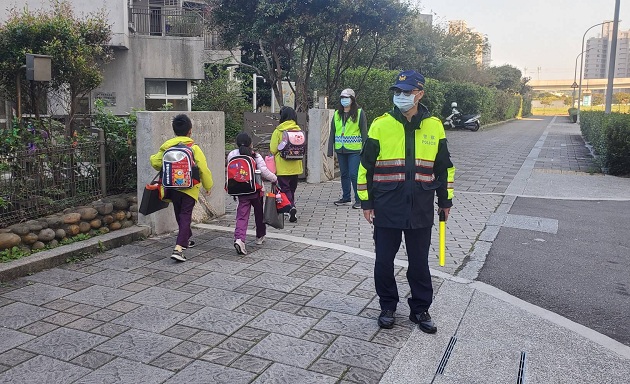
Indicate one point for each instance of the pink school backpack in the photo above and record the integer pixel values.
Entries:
(270, 162)
(293, 145)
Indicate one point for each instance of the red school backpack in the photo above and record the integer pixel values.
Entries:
(179, 170)
(293, 145)
(240, 176)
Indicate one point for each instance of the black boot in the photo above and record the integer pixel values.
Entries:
(424, 321)
(386, 319)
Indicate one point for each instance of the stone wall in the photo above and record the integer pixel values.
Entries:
(102, 216)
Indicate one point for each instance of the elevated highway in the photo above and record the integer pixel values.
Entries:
(565, 85)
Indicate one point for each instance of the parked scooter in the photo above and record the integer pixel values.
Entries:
(457, 120)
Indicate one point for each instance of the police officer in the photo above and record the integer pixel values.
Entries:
(405, 163)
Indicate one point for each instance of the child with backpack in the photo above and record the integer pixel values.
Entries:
(288, 146)
(184, 170)
(243, 165)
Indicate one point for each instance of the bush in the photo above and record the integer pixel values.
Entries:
(609, 134)
(618, 144)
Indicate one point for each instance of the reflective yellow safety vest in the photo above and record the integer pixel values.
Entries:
(402, 170)
(348, 135)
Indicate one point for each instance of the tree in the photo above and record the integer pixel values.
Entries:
(218, 93)
(291, 34)
(77, 46)
(506, 78)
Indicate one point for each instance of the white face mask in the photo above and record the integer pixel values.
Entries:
(404, 103)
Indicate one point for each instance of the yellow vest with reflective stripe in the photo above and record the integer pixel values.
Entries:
(348, 136)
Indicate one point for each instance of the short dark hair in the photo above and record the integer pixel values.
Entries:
(243, 142)
(182, 125)
(287, 113)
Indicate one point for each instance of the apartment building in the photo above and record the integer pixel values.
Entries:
(597, 58)
(159, 47)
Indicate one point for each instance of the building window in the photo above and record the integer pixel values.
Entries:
(159, 93)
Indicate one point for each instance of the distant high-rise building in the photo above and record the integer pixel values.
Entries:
(426, 18)
(596, 54)
(483, 51)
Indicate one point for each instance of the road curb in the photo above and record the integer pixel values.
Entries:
(54, 257)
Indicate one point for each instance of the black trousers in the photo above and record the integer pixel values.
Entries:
(418, 242)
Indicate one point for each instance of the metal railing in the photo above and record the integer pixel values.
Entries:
(39, 182)
(166, 22)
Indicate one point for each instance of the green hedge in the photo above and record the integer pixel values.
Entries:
(609, 134)
(494, 105)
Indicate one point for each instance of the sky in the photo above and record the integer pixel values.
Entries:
(542, 38)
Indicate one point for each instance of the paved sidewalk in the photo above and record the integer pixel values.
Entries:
(302, 308)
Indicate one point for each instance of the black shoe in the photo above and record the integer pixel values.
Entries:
(356, 205)
(292, 217)
(342, 202)
(386, 319)
(191, 244)
(424, 321)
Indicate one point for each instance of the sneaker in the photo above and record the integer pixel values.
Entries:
(424, 321)
(260, 240)
(292, 216)
(342, 202)
(178, 255)
(386, 319)
(191, 244)
(356, 205)
(240, 247)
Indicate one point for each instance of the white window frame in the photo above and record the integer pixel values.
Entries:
(166, 96)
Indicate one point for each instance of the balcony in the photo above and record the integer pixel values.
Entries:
(180, 22)
(166, 22)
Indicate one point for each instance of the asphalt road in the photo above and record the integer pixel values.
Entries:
(582, 272)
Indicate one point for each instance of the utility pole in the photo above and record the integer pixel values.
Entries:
(613, 55)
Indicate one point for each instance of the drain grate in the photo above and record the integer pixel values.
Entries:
(521, 368)
(446, 355)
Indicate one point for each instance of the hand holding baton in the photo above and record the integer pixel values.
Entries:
(442, 238)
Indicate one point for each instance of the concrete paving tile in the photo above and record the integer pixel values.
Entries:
(159, 297)
(109, 329)
(55, 276)
(236, 345)
(221, 280)
(64, 343)
(123, 371)
(98, 296)
(199, 371)
(283, 323)
(348, 325)
(92, 359)
(207, 338)
(38, 328)
(281, 373)
(180, 331)
(333, 284)
(10, 339)
(122, 263)
(339, 303)
(138, 345)
(288, 350)
(250, 364)
(219, 298)
(224, 266)
(362, 354)
(216, 320)
(190, 349)
(276, 282)
(220, 356)
(363, 376)
(151, 319)
(84, 324)
(171, 362)
(43, 370)
(37, 294)
(18, 315)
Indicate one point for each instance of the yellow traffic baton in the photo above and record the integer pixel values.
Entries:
(442, 238)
